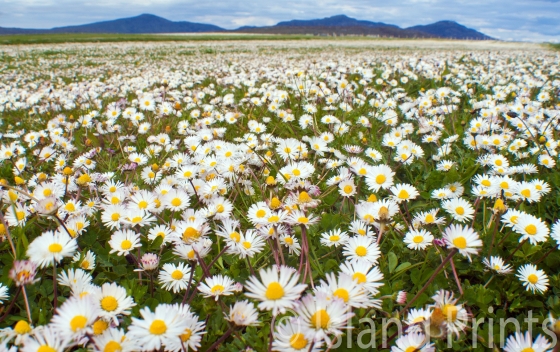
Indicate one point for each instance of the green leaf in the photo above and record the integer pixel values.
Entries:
(393, 261)
(403, 266)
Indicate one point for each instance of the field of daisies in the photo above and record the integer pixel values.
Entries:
(261, 197)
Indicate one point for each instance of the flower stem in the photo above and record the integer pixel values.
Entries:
(438, 269)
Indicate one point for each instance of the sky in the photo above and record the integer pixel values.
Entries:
(519, 20)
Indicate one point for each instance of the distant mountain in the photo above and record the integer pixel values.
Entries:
(140, 24)
(330, 26)
(336, 21)
(344, 25)
(382, 31)
(451, 30)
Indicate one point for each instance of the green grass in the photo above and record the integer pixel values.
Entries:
(555, 46)
(96, 38)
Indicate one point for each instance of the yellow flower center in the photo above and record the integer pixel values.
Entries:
(532, 278)
(112, 346)
(342, 293)
(217, 289)
(403, 194)
(531, 229)
(126, 244)
(460, 210)
(418, 239)
(320, 320)
(78, 322)
(22, 327)
(176, 202)
(85, 264)
(528, 349)
(158, 327)
(289, 240)
(486, 183)
(45, 348)
(100, 326)
(273, 218)
(186, 335)
(303, 220)
(411, 349)
(514, 219)
(20, 215)
(360, 277)
(260, 213)
(304, 197)
(380, 179)
(247, 245)
(55, 248)
(190, 233)
(177, 275)
(298, 341)
(460, 242)
(450, 311)
(109, 303)
(429, 219)
(142, 204)
(361, 251)
(115, 217)
(334, 238)
(274, 291)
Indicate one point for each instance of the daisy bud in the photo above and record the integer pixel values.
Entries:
(270, 181)
(401, 297)
(237, 287)
(150, 261)
(439, 242)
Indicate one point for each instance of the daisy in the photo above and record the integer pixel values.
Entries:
(23, 273)
(460, 209)
(447, 313)
(323, 316)
(380, 176)
(75, 316)
(532, 278)
(531, 228)
(85, 261)
(277, 290)
(345, 288)
(51, 247)
(429, 217)
(417, 316)
(250, 244)
(157, 328)
(174, 277)
(113, 301)
(298, 217)
(413, 341)
(347, 188)
(496, 264)
(520, 343)
(464, 239)
(292, 243)
(334, 237)
(362, 249)
(418, 239)
(192, 335)
(176, 200)
(216, 286)
(47, 338)
(124, 241)
(295, 336)
(114, 340)
(243, 313)
(365, 274)
(113, 215)
(403, 192)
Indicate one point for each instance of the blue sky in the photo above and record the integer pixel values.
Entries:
(525, 20)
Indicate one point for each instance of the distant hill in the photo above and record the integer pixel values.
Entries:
(450, 29)
(334, 21)
(331, 26)
(140, 24)
(344, 25)
(382, 31)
